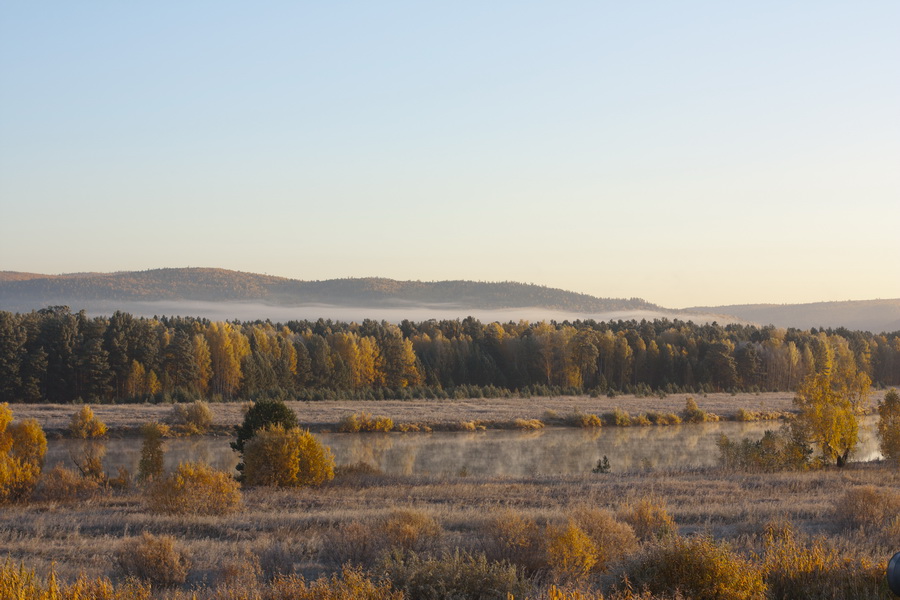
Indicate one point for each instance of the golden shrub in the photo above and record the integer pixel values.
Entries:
(195, 418)
(515, 538)
(88, 458)
(649, 519)
(617, 418)
(528, 424)
(286, 457)
(60, 484)
(698, 568)
(194, 488)
(692, 413)
(867, 506)
(156, 559)
(85, 425)
(409, 530)
(580, 419)
(571, 554)
(22, 449)
(612, 539)
(365, 422)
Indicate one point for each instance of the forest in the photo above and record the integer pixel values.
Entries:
(55, 355)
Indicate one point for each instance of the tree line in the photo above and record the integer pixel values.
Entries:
(55, 355)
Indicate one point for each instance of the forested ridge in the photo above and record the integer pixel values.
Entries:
(54, 355)
(217, 285)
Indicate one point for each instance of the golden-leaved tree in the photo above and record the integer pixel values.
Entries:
(829, 402)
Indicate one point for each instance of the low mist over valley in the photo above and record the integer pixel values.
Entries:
(225, 294)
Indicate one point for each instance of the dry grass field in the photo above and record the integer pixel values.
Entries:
(818, 530)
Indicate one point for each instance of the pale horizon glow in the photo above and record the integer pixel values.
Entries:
(690, 154)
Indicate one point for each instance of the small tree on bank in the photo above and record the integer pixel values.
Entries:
(829, 404)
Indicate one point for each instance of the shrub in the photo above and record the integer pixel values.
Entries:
(365, 422)
(510, 536)
(658, 418)
(745, 415)
(571, 554)
(195, 418)
(286, 457)
(351, 543)
(692, 413)
(867, 506)
(65, 485)
(649, 519)
(773, 452)
(806, 571)
(618, 418)
(460, 576)
(351, 584)
(612, 539)
(409, 530)
(698, 568)
(259, 415)
(580, 419)
(88, 458)
(528, 424)
(889, 425)
(22, 449)
(156, 559)
(84, 425)
(151, 463)
(195, 488)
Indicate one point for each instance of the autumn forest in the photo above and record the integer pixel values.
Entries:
(54, 355)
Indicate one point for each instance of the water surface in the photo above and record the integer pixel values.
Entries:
(550, 451)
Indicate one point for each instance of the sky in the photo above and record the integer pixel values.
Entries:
(688, 153)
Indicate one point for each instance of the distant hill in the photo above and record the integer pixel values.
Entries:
(27, 291)
(867, 315)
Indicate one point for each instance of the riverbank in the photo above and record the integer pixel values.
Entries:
(439, 415)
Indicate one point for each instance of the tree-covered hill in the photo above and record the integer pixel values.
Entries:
(27, 291)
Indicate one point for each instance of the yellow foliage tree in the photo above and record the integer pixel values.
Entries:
(889, 425)
(828, 403)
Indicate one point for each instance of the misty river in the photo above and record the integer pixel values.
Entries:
(492, 453)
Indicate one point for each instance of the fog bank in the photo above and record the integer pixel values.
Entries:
(223, 311)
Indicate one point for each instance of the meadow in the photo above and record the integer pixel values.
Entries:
(824, 533)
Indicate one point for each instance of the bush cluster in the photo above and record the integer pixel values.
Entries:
(194, 488)
(365, 422)
(277, 456)
(85, 425)
(155, 559)
(22, 449)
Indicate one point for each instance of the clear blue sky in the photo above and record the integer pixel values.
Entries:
(685, 152)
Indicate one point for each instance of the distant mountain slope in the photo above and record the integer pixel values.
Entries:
(868, 315)
(27, 291)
